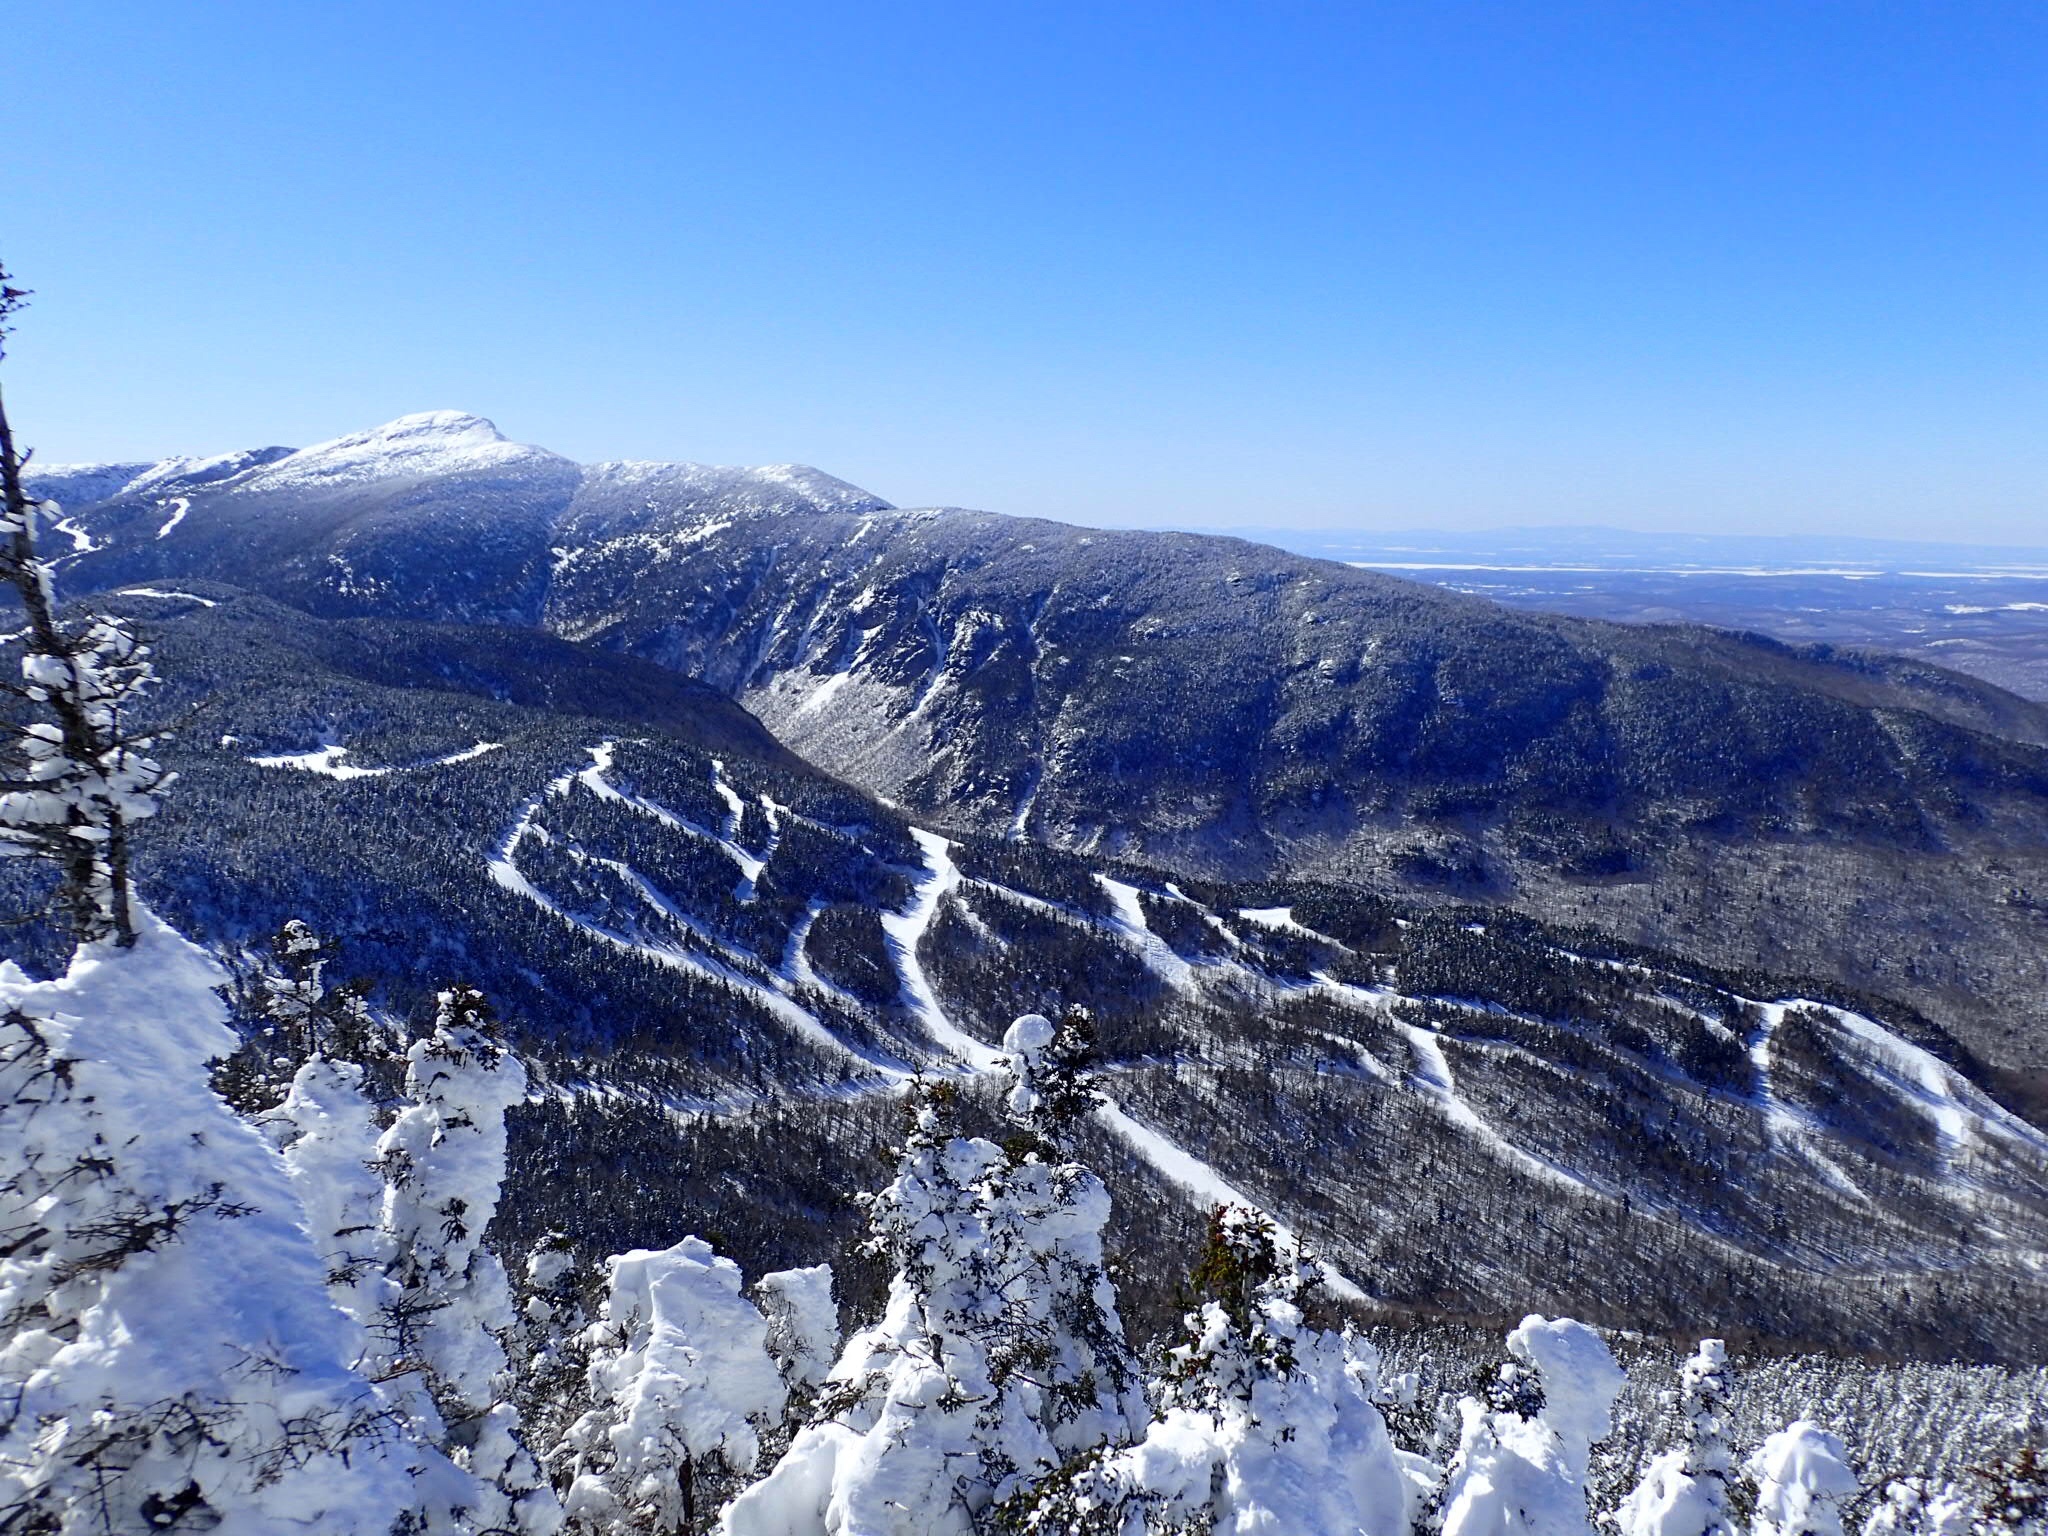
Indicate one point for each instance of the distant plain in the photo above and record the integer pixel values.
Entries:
(1980, 609)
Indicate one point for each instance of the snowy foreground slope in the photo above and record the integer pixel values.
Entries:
(232, 1314)
(207, 1332)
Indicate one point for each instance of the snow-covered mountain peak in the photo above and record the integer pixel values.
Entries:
(421, 444)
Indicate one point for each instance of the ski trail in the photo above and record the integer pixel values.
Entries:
(179, 507)
(328, 760)
(1180, 1166)
(1435, 1080)
(1167, 1157)
(731, 797)
(1958, 1109)
(593, 779)
(190, 597)
(1157, 954)
(505, 872)
(82, 543)
(904, 929)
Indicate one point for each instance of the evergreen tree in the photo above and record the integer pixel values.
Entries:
(1264, 1422)
(547, 1348)
(443, 1162)
(1685, 1490)
(930, 1417)
(1914, 1507)
(1802, 1480)
(1523, 1455)
(681, 1385)
(1048, 1218)
(84, 773)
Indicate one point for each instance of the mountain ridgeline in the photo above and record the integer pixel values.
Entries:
(1662, 975)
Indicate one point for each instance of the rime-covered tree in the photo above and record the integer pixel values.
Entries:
(930, 1417)
(550, 1360)
(1523, 1455)
(443, 1162)
(681, 1385)
(803, 1327)
(1913, 1506)
(327, 1129)
(289, 1013)
(1264, 1422)
(1047, 1223)
(2016, 1491)
(1802, 1479)
(82, 773)
(1685, 1490)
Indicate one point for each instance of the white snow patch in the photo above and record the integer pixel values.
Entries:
(328, 761)
(188, 597)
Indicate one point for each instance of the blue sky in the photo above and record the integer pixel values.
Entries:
(1739, 267)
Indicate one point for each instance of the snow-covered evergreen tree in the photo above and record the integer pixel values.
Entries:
(1913, 1507)
(443, 1162)
(328, 1131)
(803, 1326)
(1685, 1490)
(1523, 1456)
(288, 1014)
(83, 773)
(1264, 1421)
(169, 1357)
(1047, 1223)
(550, 1358)
(1802, 1479)
(930, 1416)
(681, 1384)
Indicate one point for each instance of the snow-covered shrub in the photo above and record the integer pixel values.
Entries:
(1522, 1458)
(2016, 1494)
(443, 1162)
(1264, 1421)
(681, 1383)
(1802, 1480)
(803, 1324)
(169, 1356)
(931, 1415)
(1685, 1490)
(1913, 1507)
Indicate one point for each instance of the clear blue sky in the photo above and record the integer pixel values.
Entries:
(1746, 267)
